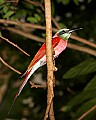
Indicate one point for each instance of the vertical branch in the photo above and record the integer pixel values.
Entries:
(49, 56)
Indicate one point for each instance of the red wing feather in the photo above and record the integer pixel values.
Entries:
(38, 56)
(42, 51)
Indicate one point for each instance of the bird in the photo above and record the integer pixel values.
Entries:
(59, 44)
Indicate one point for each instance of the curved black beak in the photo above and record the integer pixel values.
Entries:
(74, 29)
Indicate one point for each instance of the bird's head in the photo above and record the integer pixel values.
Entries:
(65, 33)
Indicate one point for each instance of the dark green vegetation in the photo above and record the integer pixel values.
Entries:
(75, 90)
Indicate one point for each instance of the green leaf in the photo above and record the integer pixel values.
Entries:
(37, 17)
(76, 2)
(62, 25)
(28, 5)
(1, 6)
(19, 14)
(65, 2)
(5, 9)
(83, 68)
(0, 33)
(2, 1)
(89, 1)
(43, 35)
(85, 107)
(53, 9)
(82, 97)
(8, 14)
(91, 85)
(32, 19)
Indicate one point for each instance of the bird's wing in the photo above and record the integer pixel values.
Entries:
(38, 56)
(42, 52)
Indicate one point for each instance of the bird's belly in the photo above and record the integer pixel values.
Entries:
(60, 47)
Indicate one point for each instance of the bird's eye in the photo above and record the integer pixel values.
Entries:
(61, 32)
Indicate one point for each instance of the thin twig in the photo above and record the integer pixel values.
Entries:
(33, 37)
(56, 23)
(83, 49)
(82, 40)
(27, 35)
(9, 66)
(70, 45)
(35, 3)
(11, 1)
(3, 38)
(24, 24)
(33, 85)
(87, 112)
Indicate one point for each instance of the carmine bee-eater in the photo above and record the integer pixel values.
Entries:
(59, 44)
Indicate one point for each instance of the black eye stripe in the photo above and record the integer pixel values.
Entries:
(62, 32)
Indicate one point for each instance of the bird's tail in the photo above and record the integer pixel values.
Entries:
(27, 76)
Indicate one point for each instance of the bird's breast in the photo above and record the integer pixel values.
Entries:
(60, 47)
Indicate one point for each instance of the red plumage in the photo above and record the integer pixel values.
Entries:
(57, 43)
(39, 60)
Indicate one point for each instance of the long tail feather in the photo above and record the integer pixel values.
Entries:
(27, 76)
(23, 83)
(12, 104)
(20, 89)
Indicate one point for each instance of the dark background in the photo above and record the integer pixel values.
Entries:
(75, 90)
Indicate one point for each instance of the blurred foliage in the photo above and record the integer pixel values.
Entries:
(76, 75)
